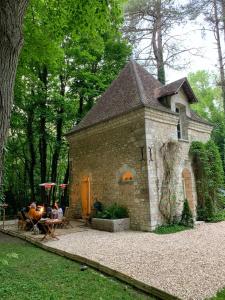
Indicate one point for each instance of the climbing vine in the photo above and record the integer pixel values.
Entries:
(208, 170)
(167, 204)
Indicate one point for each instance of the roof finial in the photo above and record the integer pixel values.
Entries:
(140, 87)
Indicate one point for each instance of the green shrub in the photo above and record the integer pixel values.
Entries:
(187, 218)
(217, 217)
(114, 211)
(168, 229)
(208, 171)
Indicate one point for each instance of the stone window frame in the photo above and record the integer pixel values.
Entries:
(182, 131)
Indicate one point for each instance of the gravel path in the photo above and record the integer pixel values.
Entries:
(189, 264)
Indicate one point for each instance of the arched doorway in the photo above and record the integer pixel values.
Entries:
(86, 196)
(187, 187)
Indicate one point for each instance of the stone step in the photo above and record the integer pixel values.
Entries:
(199, 223)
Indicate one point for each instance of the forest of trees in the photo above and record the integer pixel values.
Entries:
(72, 51)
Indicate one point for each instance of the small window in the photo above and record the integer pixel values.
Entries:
(177, 110)
(178, 130)
(178, 124)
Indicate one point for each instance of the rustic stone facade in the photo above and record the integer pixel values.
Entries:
(117, 157)
(161, 128)
(106, 151)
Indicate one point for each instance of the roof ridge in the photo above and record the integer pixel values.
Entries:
(184, 79)
(140, 88)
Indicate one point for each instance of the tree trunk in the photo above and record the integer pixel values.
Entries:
(64, 197)
(11, 41)
(220, 56)
(223, 16)
(219, 49)
(59, 127)
(81, 108)
(157, 43)
(43, 76)
(32, 160)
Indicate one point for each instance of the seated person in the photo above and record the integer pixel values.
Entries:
(60, 213)
(57, 204)
(33, 213)
(54, 212)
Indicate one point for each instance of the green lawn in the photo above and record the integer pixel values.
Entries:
(27, 272)
(219, 296)
(167, 229)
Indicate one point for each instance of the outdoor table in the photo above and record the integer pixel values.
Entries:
(49, 227)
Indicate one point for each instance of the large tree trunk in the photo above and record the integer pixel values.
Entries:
(11, 41)
(157, 43)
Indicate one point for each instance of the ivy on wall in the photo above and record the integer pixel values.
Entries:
(167, 203)
(209, 177)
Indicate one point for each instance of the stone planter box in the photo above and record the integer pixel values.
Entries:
(111, 225)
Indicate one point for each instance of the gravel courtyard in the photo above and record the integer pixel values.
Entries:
(189, 264)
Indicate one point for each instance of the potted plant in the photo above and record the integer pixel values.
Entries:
(113, 219)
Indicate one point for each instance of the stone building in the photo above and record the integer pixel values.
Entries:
(132, 148)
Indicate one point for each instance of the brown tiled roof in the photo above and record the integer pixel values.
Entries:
(174, 87)
(197, 118)
(132, 89)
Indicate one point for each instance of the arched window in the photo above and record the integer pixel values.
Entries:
(187, 187)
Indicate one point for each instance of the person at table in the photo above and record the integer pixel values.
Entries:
(60, 213)
(54, 212)
(33, 213)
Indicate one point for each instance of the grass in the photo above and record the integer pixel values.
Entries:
(219, 296)
(167, 229)
(28, 272)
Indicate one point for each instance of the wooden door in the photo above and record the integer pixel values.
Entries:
(85, 196)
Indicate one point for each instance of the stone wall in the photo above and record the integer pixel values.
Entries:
(104, 153)
(132, 143)
(160, 128)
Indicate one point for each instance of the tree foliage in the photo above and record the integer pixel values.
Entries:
(150, 28)
(210, 105)
(213, 13)
(209, 176)
(73, 50)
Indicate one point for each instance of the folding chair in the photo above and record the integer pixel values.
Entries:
(22, 223)
(33, 224)
(66, 219)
